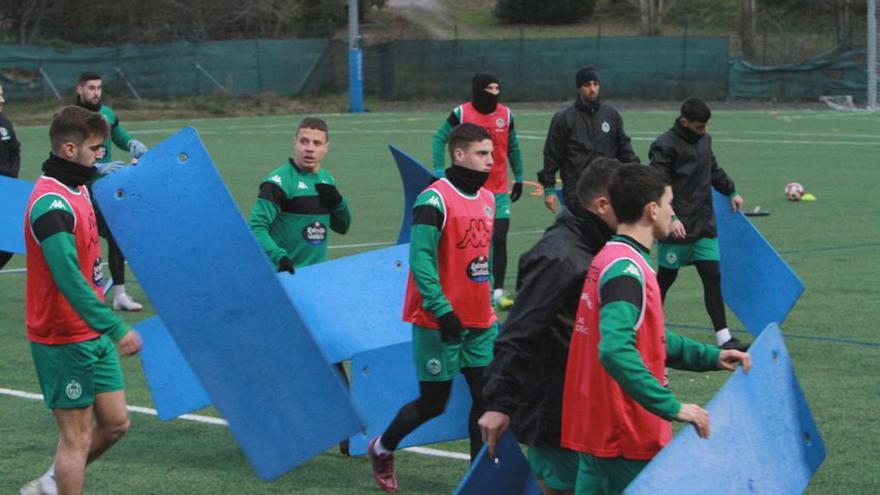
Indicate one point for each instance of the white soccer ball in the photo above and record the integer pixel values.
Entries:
(794, 191)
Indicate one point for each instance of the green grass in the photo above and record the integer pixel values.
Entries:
(832, 243)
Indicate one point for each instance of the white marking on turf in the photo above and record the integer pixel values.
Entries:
(222, 422)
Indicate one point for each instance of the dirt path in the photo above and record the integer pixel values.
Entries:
(432, 17)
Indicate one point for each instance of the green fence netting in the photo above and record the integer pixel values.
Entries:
(840, 71)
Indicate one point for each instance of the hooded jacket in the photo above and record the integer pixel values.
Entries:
(527, 376)
(687, 159)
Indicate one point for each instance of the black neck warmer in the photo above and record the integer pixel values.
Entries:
(483, 101)
(586, 106)
(87, 105)
(67, 172)
(467, 180)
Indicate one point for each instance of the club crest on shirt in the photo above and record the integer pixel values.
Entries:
(488, 211)
(433, 367)
(315, 233)
(499, 123)
(671, 257)
(73, 390)
(478, 269)
(606, 127)
(4, 134)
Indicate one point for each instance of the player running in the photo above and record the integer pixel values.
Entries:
(448, 298)
(485, 111)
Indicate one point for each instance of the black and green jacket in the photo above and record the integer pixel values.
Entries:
(289, 220)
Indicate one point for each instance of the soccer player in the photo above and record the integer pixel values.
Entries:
(298, 201)
(617, 406)
(448, 298)
(73, 336)
(525, 380)
(10, 157)
(89, 92)
(579, 134)
(485, 111)
(684, 152)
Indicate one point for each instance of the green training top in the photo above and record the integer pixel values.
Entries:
(118, 135)
(288, 218)
(622, 303)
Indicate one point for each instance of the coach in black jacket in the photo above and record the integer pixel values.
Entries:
(586, 130)
(10, 157)
(525, 381)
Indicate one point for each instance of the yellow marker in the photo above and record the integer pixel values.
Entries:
(808, 197)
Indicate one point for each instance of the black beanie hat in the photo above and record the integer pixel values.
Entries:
(586, 75)
(483, 101)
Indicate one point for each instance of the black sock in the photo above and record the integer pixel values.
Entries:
(430, 404)
(710, 274)
(499, 251)
(115, 260)
(4, 258)
(665, 278)
(475, 380)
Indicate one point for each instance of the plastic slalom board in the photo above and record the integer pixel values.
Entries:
(14, 194)
(415, 178)
(222, 303)
(384, 380)
(757, 284)
(507, 473)
(763, 437)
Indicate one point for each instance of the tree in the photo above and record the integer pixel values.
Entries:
(651, 15)
(544, 11)
(747, 16)
(844, 22)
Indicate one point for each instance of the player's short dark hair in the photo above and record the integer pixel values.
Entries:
(595, 179)
(75, 124)
(634, 186)
(314, 123)
(696, 110)
(88, 76)
(465, 134)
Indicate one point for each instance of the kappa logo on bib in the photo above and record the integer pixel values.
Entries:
(606, 127)
(73, 390)
(315, 233)
(478, 269)
(478, 234)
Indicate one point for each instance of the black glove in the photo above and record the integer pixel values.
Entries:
(450, 328)
(328, 195)
(285, 265)
(517, 192)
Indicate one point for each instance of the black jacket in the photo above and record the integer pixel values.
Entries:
(688, 160)
(10, 149)
(577, 136)
(526, 378)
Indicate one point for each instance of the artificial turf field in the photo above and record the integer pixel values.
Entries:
(833, 244)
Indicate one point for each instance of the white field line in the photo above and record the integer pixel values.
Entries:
(222, 422)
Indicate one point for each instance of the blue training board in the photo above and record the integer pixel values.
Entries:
(757, 284)
(222, 303)
(175, 388)
(415, 179)
(763, 437)
(507, 473)
(384, 380)
(374, 280)
(14, 196)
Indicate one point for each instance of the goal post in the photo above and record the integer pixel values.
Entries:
(872, 47)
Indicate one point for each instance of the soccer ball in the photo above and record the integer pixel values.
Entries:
(794, 191)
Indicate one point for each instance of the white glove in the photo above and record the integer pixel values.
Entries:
(109, 167)
(136, 148)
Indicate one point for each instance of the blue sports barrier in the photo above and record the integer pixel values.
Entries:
(384, 380)
(415, 179)
(757, 284)
(175, 388)
(374, 280)
(507, 473)
(763, 437)
(14, 194)
(222, 303)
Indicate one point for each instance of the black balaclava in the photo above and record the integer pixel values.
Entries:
(67, 172)
(688, 135)
(582, 77)
(469, 181)
(483, 101)
(88, 106)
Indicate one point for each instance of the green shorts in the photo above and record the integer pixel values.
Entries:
(675, 256)
(71, 374)
(605, 476)
(502, 205)
(556, 467)
(439, 362)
